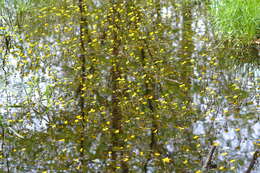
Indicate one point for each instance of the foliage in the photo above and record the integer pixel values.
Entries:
(237, 19)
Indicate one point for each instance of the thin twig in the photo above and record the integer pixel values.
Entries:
(253, 161)
(172, 80)
(209, 158)
(15, 133)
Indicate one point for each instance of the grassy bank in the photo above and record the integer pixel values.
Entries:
(236, 19)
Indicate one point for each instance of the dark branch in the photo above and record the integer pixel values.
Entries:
(253, 161)
(208, 162)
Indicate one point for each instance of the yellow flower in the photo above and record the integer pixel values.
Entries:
(235, 96)
(157, 154)
(224, 154)
(61, 140)
(90, 76)
(216, 144)
(195, 137)
(105, 129)
(221, 168)
(79, 117)
(125, 159)
(166, 160)
(92, 110)
(231, 161)
(132, 136)
(238, 129)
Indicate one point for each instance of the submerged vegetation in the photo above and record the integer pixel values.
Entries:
(237, 19)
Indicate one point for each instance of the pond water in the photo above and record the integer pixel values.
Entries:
(187, 93)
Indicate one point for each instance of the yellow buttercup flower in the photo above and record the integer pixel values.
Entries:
(166, 160)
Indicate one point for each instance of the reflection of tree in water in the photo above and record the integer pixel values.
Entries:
(232, 111)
